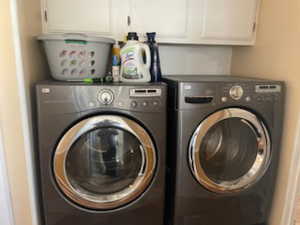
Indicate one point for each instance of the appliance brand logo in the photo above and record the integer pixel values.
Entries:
(187, 87)
(46, 90)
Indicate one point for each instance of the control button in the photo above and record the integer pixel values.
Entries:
(121, 104)
(268, 98)
(224, 99)
(106, 97)
(236, 92)
(134, 104)
(145, 104)
(248, 98)
(155, 103)
(91, 104)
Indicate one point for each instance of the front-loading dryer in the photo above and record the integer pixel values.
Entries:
(224, 144)
(102, 153)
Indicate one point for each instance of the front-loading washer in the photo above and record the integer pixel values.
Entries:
(101, 153)
(224, 143)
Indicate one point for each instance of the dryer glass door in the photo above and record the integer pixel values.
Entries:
(230, 150)
(104, 162)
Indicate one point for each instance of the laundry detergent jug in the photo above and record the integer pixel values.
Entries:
(133, 66)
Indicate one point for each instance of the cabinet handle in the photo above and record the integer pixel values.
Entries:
(254, 27)
(128, 20)
(45, 16)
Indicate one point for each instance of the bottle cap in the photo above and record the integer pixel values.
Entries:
(151, 36)
(132, 36)
(116, 45)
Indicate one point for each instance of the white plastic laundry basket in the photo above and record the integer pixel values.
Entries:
(74, 57)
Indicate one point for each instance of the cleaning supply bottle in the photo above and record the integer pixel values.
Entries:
(155, 69)
(133, 67)
(116, 61)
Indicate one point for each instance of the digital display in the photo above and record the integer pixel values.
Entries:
(267, 88)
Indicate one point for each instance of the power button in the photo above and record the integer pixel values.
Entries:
(134, 104)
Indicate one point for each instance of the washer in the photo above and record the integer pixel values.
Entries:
(102, 153)
(224, 144)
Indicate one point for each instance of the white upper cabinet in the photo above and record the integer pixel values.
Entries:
(221, 22)
(229, 19)
(168, 18)
(91, 16)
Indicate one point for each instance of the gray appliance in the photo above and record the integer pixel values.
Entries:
(102, 153)
(224, 143)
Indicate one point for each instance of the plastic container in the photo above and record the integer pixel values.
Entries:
(74, 57)
(155, 69)
(133, 67)
(116, 61)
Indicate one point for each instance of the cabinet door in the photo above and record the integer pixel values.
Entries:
(90, 16)
(229, 19)
(166, 17)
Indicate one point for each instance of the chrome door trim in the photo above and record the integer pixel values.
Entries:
(260, 165)
(111, 201)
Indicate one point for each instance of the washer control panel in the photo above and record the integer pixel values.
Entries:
(106, 97)
(145, 92)
(236, 92)
(77, 97)
(139, 98)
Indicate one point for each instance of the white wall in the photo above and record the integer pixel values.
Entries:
(193, 59)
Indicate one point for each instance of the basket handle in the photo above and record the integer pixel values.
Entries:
(75, 36)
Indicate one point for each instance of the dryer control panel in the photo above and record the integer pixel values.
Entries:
(207, 94)
(273, 88)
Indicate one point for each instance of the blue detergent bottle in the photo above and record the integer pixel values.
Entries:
(155, 69)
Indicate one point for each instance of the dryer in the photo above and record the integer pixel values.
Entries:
(224, 145)
(101, 153)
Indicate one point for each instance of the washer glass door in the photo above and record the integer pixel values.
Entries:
(230, 150)
(104, 162)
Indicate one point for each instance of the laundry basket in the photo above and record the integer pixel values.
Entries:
(74, 57)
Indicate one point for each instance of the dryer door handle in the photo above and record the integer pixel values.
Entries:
(199, 99)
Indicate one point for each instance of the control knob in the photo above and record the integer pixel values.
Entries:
(106, 97)
(236, 92)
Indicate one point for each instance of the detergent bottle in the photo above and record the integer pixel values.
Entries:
(133, 66)
(155, 69)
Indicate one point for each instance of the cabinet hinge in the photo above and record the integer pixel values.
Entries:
(254, 27)
(45, 16)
